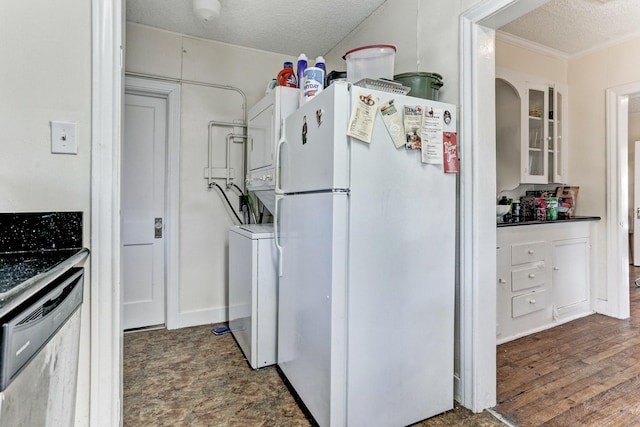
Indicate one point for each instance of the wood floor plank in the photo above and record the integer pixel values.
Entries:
(621, 408)
(557, 396)
(582, 373)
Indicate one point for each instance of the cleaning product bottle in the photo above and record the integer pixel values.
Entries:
(286, 76)
(320, 64)
(302, 65)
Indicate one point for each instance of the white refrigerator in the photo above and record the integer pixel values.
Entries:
(366, 240)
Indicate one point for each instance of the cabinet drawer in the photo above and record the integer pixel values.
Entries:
(527, 252)
(528, 277)
(528, 303)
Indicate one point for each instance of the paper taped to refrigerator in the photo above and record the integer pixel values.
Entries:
(363, 116)
(432, 138)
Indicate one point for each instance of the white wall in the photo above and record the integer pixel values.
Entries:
(425, 34)
(204, 217)
(526, 61)
(589, 76)
(46, 75)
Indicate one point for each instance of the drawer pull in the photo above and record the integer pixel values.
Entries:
(502, 281)
(531, 252)
(556, 268)
(532, 276)
(532, 301)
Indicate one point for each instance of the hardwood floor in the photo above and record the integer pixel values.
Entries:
(583, 373)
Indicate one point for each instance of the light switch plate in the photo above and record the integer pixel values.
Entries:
(63, 138)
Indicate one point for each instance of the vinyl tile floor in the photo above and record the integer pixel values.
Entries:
(191, 377)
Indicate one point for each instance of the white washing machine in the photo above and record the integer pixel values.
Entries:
(253, 292)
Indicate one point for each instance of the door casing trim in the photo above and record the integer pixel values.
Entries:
(171, 92)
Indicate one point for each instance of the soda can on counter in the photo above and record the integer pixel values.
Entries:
(552, 208)
(313, 82)
(540, 207)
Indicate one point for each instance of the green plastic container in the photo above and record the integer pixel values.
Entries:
(423, 85)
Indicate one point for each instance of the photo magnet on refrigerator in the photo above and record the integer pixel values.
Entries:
(413, 126)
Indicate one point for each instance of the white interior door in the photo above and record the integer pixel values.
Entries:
(143, 205)
(636, 205)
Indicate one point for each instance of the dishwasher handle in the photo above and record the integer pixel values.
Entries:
(53, 303)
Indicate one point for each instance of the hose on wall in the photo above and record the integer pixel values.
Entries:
(215, 184)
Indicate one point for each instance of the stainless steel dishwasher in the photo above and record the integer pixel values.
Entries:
(39, 356)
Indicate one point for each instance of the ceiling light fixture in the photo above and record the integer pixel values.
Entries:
(206, 9)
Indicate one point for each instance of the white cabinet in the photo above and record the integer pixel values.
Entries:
(534, 145)
(557, 150)
(265, 121)
(570, 272)
(253, 293)
(543, 148)
(531, 130)
(523, 283)
(543, 277)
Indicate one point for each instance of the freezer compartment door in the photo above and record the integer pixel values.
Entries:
(315, 152)
(312, 290)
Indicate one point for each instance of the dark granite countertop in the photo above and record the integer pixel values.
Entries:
(558, 221)
(35, 249)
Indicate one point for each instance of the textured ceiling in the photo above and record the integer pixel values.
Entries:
(576, 26)
(568, 26)
(281, 26)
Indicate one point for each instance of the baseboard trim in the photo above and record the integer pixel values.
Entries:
(186, 319)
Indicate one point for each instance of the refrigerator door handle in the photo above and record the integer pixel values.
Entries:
(278, 189)
(276, 233)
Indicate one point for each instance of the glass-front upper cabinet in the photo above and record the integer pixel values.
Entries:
(557, 135)
(535, 162)
(544, 158)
